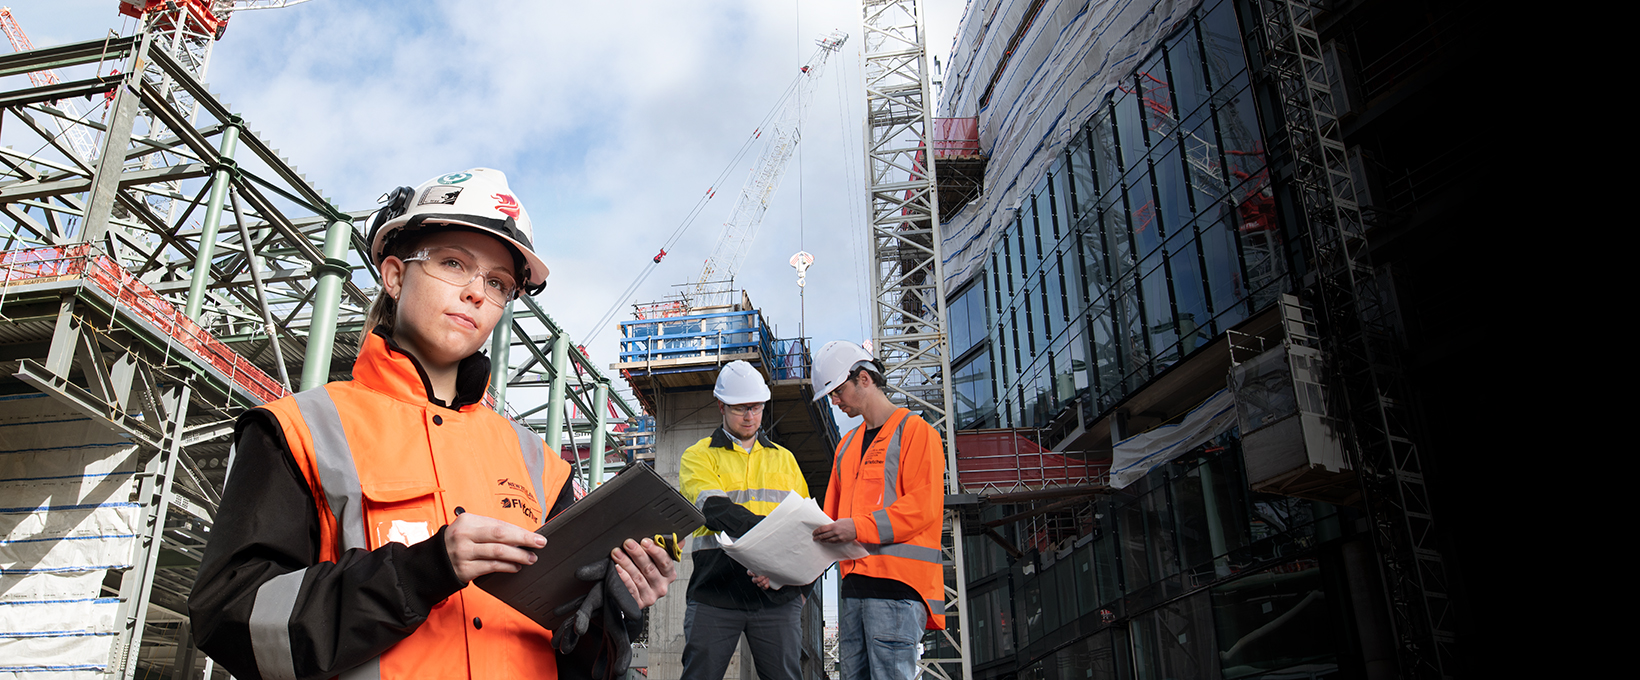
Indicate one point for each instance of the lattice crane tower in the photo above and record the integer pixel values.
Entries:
(764, 179)
(908, 320)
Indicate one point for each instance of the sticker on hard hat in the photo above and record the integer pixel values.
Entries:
(506, 205)
(455, 178)
(439, 194)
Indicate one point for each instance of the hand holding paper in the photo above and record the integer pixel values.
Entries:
(782, 546)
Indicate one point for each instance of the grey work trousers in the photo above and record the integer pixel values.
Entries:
(712, 633)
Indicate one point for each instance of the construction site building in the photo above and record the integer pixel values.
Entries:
(1201, 259)
(671, 355)
(163, 269)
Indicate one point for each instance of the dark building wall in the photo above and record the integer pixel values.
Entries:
(1166, 219)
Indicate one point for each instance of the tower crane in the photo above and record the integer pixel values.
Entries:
(766, 174)
(80, 139)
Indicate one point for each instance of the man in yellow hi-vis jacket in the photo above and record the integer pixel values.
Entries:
(886, 492)
(736, 477)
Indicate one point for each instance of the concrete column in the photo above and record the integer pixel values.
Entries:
(500, 348)
(683, 418)
(221, 180)
(327, 300)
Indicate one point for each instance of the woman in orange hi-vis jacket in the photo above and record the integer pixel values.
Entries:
(356, 515)
(887, 491)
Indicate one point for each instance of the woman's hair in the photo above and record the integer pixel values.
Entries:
(384, 311)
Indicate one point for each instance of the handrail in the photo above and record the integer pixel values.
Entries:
(83, 262)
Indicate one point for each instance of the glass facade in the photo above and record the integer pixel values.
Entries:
(1185, 574)
(1152, 233)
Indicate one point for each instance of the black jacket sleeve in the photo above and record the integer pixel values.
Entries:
(729, 517)
(345, 612)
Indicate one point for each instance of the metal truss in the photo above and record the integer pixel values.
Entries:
(1359, 326)
(908, 320)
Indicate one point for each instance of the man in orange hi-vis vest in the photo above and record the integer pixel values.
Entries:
(887, 492)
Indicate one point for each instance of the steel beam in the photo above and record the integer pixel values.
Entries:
(327, 299)
(213, 222)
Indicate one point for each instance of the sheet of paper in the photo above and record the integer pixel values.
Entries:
(782, 546)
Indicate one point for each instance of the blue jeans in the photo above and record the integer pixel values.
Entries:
(877, 639)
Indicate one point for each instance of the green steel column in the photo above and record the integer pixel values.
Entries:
(555, 398)
(500, 348)
(213, 219)
(327, 301)
(599, 404)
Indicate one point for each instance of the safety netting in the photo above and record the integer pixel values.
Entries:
(1033, 71)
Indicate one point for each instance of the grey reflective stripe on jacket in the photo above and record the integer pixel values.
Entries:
(334, 458)
(535, 460)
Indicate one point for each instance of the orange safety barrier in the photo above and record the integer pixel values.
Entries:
(81, 262)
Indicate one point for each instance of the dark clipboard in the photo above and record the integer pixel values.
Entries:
(635, 504)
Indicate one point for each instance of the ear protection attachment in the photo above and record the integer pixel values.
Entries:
(394, 203)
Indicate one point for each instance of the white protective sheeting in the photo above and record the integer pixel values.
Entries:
(1142, 453)
(1074, 53)
(66, 518)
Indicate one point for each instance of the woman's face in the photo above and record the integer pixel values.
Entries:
(438, 322)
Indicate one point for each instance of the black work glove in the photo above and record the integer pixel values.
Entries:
(621, 619)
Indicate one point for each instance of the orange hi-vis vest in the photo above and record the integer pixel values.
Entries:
(895, 492)
(388, 466)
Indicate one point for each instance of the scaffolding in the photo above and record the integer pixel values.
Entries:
(1358, 335)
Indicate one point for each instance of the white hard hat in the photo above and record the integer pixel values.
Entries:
(834, 362)
(739, 383)
(477, 199)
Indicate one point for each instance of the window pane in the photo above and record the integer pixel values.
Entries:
(1130, 333)
(1146, 232)
(1164, 334)
(1107, 166)
(1157, 99)
(1202, 159)
(1184, 63)
(1238, 128)
(1274, 620)
(1128, 127)
(1223, 40)
(1173, 194)
(1224, 282)
(1176, 641)
(1195, 327)
(1079, 164)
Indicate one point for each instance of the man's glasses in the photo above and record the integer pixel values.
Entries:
(743, 410)
(455, 267)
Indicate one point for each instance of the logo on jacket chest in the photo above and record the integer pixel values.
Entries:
(510, 499)
(515, 486)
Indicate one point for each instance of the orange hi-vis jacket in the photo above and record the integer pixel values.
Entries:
(387, 466)
(895, 492)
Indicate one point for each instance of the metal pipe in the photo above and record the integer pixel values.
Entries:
(555, 397)
(261, 295)
(500, 351)
(599, 404)
(327, 301)
(213, 221)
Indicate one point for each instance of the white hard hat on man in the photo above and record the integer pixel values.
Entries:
(740, 383)
(477, 199)
(833, 364)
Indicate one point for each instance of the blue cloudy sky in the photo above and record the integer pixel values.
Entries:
(610, 120)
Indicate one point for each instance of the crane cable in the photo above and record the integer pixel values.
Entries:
(694, 212)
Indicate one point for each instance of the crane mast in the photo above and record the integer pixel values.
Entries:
(764, 179)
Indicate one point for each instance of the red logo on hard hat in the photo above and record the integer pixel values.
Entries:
(507, 205)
